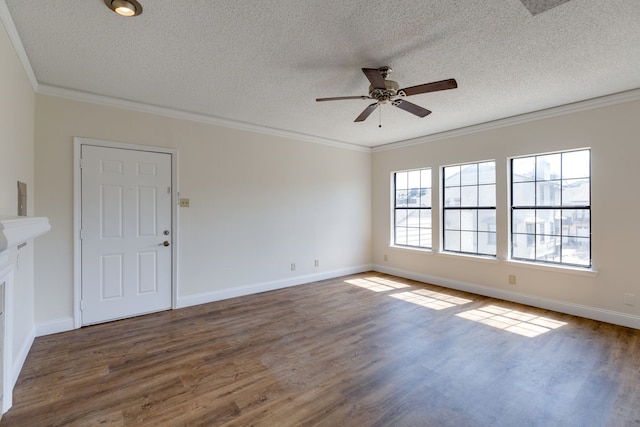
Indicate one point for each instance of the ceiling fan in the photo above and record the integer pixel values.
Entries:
(383, 91)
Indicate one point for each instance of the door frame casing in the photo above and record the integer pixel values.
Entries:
(78, 142)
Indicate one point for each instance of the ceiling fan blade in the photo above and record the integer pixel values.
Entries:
(340, 98)
(411, 108)
(374, 76)
(430, 87)
(366, 113)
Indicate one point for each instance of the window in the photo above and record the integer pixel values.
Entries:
(412, 208)
(469, 208)
(551, 208)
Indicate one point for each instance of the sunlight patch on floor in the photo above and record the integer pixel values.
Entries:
(377, 284)
(518, 322)
(431, 299)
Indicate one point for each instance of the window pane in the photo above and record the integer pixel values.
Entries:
(548, 167)
(425, 237)
(548, 193)
(414, 179)
(425, 198)
(524, 194)
(452, 196)
(576, 164)
(401, 181)
(425, 178)
(452, 241)
(469, 196)
(452, 176)
(401, 217)
(576, 222)
(425, 218)
(413, 198)
(487, 173)
(468, 241)
(576, 251)
(469, 219)
(401, 198)
(487, 243)
(523, 246)
(486, 220)
(523, 169)
(413, 236)
(520, 218)
(413, 219)
(487, 195)
(548, 248)
(469, 174)
(452, 219)
(575, 192)
(401, 236)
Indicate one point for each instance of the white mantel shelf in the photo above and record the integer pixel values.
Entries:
(15, 230)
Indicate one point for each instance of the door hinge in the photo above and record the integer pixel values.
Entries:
(80, 163)
(81, 234)
(168, 190)
(81, 305)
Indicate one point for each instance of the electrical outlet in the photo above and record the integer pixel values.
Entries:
(630, 299)
(386, 257)
(317, 263)
(293, 266)
(184, 203)
(512, 279)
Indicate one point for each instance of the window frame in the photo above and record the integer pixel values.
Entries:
(395, 208)
(477, 207)
(558, 232)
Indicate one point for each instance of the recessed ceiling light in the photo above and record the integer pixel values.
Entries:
(124, 7)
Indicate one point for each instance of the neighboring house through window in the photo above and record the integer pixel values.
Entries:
(412, 208)
(469, 208)
(551, 208)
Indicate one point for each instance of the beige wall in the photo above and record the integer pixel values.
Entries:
(612, 132)
(258, 202)
(17, 102)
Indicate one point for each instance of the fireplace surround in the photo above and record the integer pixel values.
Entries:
(15, 233)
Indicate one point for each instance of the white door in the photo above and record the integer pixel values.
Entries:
(125, 233)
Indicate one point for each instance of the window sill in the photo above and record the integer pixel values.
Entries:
(470, 257)
(587, 272)
(411, 248)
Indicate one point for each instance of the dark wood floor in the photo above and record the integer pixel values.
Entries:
(363, 350)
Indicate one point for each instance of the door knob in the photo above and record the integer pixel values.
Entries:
(165, 243)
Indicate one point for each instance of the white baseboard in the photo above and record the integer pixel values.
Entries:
(54, 326)
(203, 298)
(588, 312)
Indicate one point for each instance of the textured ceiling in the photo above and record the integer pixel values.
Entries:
(264, 63)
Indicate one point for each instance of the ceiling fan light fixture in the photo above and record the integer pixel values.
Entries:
(124, 7)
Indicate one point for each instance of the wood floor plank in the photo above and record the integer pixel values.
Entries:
(363, 350)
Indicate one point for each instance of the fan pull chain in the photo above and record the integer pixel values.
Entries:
(380, 117)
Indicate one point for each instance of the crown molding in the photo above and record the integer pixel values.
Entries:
(589, 104)
(194, 117)
(12, 32)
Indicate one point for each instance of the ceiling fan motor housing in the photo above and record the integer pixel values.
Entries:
(384, 95)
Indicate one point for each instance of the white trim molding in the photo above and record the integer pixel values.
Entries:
(15, 230)
(12, 32)
(602, 315)
(194, 117)
(588, 104)
(207, 297)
